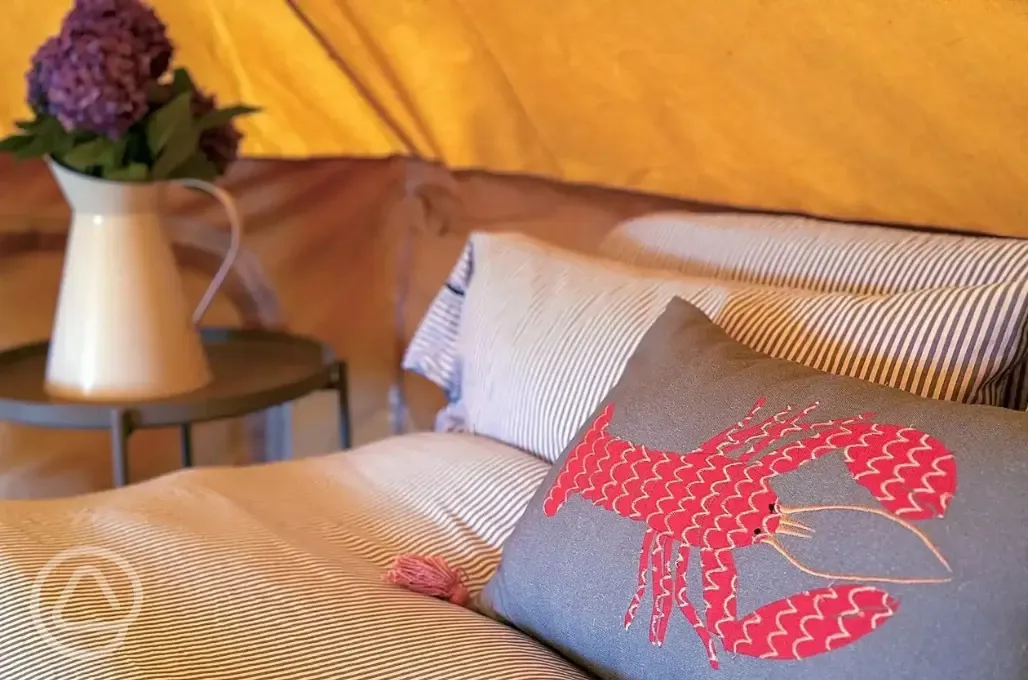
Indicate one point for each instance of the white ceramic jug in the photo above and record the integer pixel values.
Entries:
(122, 330)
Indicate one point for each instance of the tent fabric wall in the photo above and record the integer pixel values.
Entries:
(913, 113)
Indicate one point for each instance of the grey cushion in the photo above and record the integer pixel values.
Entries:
(921, 571)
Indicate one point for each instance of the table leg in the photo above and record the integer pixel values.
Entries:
(278, 443)
(341, 384)
(186, 444)
(121, 428)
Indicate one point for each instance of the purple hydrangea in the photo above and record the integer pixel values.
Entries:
(219, 144)
(145, 35)
(45, 58)
(94, 74)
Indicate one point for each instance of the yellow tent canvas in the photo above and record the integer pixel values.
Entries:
(860, 111)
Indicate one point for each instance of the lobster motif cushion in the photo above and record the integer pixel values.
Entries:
(724, 514)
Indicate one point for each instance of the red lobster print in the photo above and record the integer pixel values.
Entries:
(707, 501)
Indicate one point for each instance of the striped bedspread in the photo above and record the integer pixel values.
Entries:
(269, 571)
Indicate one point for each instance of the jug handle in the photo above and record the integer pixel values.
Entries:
(235, 244)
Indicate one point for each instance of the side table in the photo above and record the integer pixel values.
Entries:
(253, 370)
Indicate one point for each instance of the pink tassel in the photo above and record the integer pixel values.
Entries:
(429, 575)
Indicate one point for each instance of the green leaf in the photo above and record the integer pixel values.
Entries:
(181, 145)
(39, 146)
(168, 121)
(47, 138)
(85, 154)
(79, 136)
(182, 82)
(134, 172)
(196, 166)
(89, 154)
(41, 121)
(136, 149)
(14, 142)
(66, 141)
(115, 155)
(219, 117)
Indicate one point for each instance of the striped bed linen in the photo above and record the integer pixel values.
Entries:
(773, 250)
(544, 333)
(433, 353)
(432, 350)
(802, 252)
(273, 571)
(811, 254)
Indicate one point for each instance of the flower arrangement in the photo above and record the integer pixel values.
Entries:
(107, 102)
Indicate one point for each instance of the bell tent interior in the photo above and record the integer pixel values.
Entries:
(391, 131)
(560, 120)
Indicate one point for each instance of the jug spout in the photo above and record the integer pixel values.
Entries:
(122, 329)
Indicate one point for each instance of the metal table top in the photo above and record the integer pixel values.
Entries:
(252, 370)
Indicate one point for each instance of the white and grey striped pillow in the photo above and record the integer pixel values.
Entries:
(544, 333)
(432, 351)
(811, 254)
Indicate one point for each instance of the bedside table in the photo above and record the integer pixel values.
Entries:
(253, 370)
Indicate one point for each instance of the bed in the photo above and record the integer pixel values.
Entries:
(273, 571)
(498, 306)
(276, 570)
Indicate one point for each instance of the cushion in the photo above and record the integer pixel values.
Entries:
(802, 252)
(543, 334)
(793, 525)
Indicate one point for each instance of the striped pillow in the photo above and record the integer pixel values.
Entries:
(432, 351)
(812, 254)
(544, 333)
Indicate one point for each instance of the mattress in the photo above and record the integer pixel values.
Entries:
(270, 571)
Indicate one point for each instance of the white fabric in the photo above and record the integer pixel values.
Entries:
(803, 252)
(544, 333)
(272, 571)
